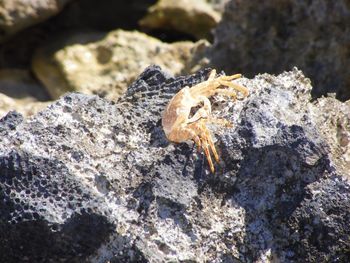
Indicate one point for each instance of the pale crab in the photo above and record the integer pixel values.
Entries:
(180, 127)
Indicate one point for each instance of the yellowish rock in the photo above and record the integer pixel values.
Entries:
(194, 17)
(107, 66)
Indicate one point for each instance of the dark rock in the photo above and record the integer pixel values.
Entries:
(90, 180)
(273, 36)
(17, 15)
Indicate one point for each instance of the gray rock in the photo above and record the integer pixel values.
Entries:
(91, 180)
(332, 117)
(273, 36)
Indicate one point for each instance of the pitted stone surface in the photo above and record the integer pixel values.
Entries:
(91, 180)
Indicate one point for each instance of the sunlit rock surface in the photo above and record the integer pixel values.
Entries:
(194, 17)
(91, 180)
(106, 64)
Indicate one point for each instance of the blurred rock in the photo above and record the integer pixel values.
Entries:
(218, 5)
(272, 36)
(21, 92)
(25, 106)
(20, 83)
(87, 180)
(108, 65)
(78, 16)
(194, 17)
(16, 15)
(104, 15)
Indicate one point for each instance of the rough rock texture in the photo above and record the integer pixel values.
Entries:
(90, 180)
(333, 119)
(274, 35)
(16, 15)
(194, 17)
(108, 65)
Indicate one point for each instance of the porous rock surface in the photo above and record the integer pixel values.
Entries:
(91, 180)
(16, 15)
(273, 36)
(333, 119)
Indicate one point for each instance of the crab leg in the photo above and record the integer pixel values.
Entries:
(207, 154)
(209, 87)
(232, 77)
(219, 121)
(212, 75)
(240, 88)
(206, 141)
(227, 92)
(212, 147)
(198, 142)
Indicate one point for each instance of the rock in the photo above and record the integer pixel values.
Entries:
(333, 119)
(16, 15)
(108, 65)
(194, 17)
(77, 16)
(272, 36)
(26, 106)
(88, 180)
(19, 83)
(21, 92)
(104, 15)
(218, 5)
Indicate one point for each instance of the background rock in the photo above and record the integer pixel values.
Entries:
(90, 180)
(78, 16)
(272, 36)
(20, 91)
(194, 17)
(26, 106)
(19, 83)
(106, 64)
(18, 14)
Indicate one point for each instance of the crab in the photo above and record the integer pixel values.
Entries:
(178, 124)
